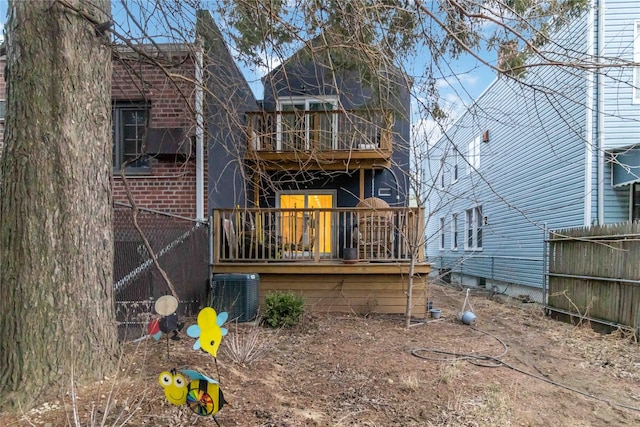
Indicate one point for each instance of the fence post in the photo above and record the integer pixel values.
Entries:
(545, 244)
(638, 322)
(210, 242)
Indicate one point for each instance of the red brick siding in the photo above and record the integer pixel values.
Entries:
(171, 185)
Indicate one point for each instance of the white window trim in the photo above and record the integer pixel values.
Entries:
(476, 224)
(454, 230)
(441, 176)
(636, 59)
(455, 174)
(292, 100)
(117, 143)
(473, 155)
(441, 234)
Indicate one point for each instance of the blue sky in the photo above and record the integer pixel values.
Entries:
(459, 82)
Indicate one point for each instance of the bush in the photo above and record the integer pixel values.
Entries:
(283, 309)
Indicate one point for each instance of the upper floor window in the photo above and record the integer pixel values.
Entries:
(473, 155)
(442, 177)
(454, 173)
(129, 125)
(307, 123)
(454, 232)
(636, 59)
(474, 224)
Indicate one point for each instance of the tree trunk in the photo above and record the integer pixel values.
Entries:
(57, 320)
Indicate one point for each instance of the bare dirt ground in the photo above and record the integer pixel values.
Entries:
(354, 370)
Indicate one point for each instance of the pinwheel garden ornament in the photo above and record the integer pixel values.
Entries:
(209, 330)
(201, 394)
(166, 307)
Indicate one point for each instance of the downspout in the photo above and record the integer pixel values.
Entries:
(600, 145)
(588, 172)
(199, 135)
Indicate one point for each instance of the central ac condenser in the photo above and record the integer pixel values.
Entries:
(237, 294)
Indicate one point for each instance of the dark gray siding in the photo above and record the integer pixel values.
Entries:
(301, 77)
(227, 98)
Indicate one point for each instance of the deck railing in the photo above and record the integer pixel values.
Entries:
(334, 130)
(317, 235)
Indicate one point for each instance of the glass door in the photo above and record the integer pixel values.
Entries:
(322, 125)
(307, 123)
(292, 127)
(303, 228)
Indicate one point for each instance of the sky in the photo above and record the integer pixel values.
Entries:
(462, 81)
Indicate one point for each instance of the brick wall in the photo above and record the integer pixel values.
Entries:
(171, 185)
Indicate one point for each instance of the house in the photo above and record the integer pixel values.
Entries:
(560, 150)
(156, 144)
(322, 208)
(307, 187)
(160, 165)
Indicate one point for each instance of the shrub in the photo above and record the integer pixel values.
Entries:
(283, 309)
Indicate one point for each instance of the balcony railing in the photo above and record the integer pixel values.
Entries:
(317, 235)
(318, 131)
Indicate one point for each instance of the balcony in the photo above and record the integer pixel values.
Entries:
(327, 140)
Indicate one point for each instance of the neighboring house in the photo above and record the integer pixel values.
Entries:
(325, 165)
(560, 150)
(155, 130)
(155, 134)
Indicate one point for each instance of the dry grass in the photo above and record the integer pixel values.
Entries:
(410, 382)
(248, 343)
(449, 372)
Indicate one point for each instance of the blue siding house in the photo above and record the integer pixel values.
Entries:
(559, 149)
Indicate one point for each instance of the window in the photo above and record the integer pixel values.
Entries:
(474, 228)
(2, 106)
(441, 234)
(636, 59)
(442, 165)
(454, 232)
(304, 124)
(129, 124)
(454, 176)
(635, 202)
(473, 155)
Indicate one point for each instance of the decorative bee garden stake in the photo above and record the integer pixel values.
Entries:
(201, 394)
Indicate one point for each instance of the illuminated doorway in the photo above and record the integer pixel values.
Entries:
(307, 224)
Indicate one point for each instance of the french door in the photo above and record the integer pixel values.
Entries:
(306, 124)
(305, 226)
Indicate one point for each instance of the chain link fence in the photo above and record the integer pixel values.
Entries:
(516, 277)
(182, 250)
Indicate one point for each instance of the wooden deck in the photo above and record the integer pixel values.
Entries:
(363, 287)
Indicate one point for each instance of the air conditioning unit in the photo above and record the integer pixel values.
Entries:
(237, 294)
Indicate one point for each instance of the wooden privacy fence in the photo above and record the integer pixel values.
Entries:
(594, 273)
